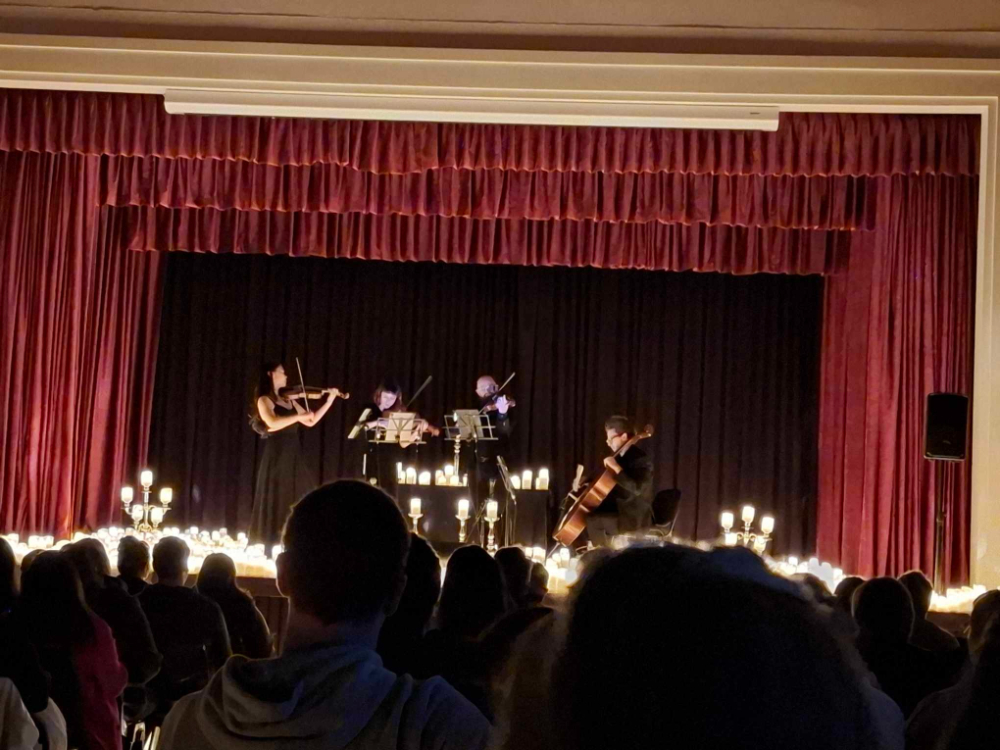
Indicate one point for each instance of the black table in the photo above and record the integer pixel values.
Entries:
(439, 505)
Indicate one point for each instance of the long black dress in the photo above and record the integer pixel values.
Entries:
(282, 479)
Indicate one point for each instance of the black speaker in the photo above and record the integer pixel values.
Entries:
(947, 426)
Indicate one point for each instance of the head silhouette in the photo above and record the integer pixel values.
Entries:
(515, 568)
(920, 592)
(472, 597)
(133, 558)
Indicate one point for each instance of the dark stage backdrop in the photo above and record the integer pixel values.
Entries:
(724, 367)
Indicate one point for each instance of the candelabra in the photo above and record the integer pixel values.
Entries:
(146, 518)
(462, 516)
(758, 542)
(415, 514)
(492, 515)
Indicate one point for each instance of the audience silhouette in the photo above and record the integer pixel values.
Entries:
(248, 631)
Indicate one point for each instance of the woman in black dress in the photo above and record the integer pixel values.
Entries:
(283, 476)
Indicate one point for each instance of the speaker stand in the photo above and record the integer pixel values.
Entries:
(939, 519)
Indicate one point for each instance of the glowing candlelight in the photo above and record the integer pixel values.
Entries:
(127, 494)
(463, 509)
(411, 475)
(400, 474)
(727, 520)
(146, 478)
(415, 506)
(748, 514)
(137, 512)
(492, 510)
(425, 478)
(767, 524)
(543, 480)
(515, 481)
(526, 479)
(166, 496)
(449, 469)
(730, 539)
(156, 515)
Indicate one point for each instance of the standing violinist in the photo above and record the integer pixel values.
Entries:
(629, 506)
(283, 476)
(497, 406)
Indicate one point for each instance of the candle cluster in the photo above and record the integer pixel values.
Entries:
(758, 542)
(446, 477)
(523, 481)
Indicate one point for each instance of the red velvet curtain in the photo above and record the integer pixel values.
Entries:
(78, 339)
(851, 196)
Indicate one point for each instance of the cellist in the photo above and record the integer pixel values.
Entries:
(629, 506)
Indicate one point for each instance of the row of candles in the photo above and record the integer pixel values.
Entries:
(448, 477)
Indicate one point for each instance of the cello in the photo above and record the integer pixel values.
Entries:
(590, 497)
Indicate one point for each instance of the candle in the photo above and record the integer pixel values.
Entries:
(415, 506)
(767, 524)
(543, 479)
(449, 469)
(727, 520)
(465, 480)
(463, 509)
(515, 481)
(216, 536)
(730, 539)
(241, 537)
(492, 510)
(526, 479)
(425, 478)
(146, 478)
(439, 477)
(166, 496)
(793, 561)
(276, 550)
(156, 515)
(748, 513)
(411, 475)
(400, 474)
(127, 495)
(564, 555)
(137, 512)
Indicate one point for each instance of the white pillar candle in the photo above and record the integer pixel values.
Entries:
(526, 479)
(463, 509)
(748, 513)
(449, 469)
(793, 561)
(137, 512)
(727, 520)
(515, 481)
(241, 537)
(425, 478)
(465, 480)
(415, 506)
(127, 494)
(275, 551)
(492, 510)
(456, 481)
(156, 515)
(411, 475)
(146, 478)
(767, 524)
(216, 536)
(166, 496)
(730, 539)
(400, 474)
(543, 479)
(439, 478)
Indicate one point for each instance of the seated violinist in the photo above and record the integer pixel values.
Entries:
(380, 466)
(629, 506)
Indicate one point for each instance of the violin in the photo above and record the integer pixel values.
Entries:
(310, 391)
(590, 497)
(492, 405)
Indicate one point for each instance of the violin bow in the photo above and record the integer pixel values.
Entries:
(302, 383)
(419, 391)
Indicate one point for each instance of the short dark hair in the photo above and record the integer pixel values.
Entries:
(133, 557)
(345, 545)
(170, 557)
(920, 591)
(883, 607)
(620, 424)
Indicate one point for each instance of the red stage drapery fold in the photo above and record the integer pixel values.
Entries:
(898, 312)
(78, 335)
(806, 143)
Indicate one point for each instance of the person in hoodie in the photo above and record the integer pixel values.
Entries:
(343, 571)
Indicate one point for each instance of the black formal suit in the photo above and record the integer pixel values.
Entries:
(629, 506)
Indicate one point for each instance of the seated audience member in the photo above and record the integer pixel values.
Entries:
(515, 568)
(976, 728)
(662, 643)
(8, 577)
(133, 564)
(109, 600)
(495, 650)
(248, 631)
(401, 640)
(77, 650)
(342, 568)
(189, 629)
(538, 585)
(844, 594)
(28, 559)
(926, 634)
(815, 587)
(883, 612)
(472, 599)
(934, 719)
(19, 663)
